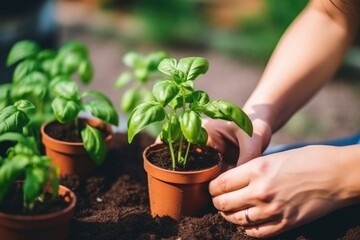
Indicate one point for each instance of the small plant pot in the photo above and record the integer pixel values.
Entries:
(178, 193)
(72, 157)
(54, 226)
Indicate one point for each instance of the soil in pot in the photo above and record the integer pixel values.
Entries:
(63, 143)
(113, 204)
(68, 132)
(49, 219)
(200, 157)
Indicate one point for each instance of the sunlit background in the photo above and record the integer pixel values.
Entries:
(236, 36)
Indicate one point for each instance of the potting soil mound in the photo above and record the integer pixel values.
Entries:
(113, 204)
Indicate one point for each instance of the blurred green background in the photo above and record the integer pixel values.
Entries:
(237, 36)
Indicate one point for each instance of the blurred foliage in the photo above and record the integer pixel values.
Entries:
(175, 21)
(184, 22)
(256, 36)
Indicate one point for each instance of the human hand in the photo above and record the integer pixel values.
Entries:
(285, 190)
(236, 146)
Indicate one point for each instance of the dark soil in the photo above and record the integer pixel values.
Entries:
(13, 203)
(113, 204)
(199, 157)
(68, 132)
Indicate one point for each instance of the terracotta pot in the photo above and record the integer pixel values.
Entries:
(71, 157)
(177, 193)
(54, 226)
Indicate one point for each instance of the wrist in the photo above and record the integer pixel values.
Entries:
(349, 158)
(260, 117)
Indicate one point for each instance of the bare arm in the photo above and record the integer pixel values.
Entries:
(306, 57)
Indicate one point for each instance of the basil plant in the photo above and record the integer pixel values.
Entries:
(22, 160)
(181, 107)
(36, 70)
(69, 102)
(143, 69)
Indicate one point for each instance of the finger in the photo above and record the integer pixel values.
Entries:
(230, 180)
(251, 217)
(233, 201)
(158, 140)
(267, 229)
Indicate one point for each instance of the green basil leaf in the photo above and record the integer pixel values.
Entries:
(96, 94)
(165, 91)
(168, 66)
(10, 170)
(142, 74)
(65, 110)
(171, 130)
(220, 109)
(142, 116)
(190, 123)
(199, 98)
(35, 84)
(46, 54)
(103, 110)
(73, 47)
(131, 59)
(94, 143)
(123, 79)
(35, 179)
(203, 137)
(56, 81)
(177, 102)
(85, 71)
(24, 68)
(5, 98)
(66, 89)
(54, 181)
(153, 59)
(24, 105)
(193, 67)
(14, 137)
(71, 62)
(129, 100)
(21, 50)
(12, 120)
(146, 95)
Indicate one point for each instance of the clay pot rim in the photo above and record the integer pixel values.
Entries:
(195, 176)
(45, 135)
(39, 217)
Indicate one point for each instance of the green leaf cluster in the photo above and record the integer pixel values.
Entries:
(182, 107)
(45, 77)
(23, 161)
(142, 71)
(37, 70)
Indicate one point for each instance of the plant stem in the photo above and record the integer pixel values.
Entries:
(186, 153)
(180, 160)
(171, 147)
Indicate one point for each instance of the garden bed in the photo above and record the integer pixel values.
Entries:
(113, 204)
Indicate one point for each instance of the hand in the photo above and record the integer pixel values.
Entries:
(236, 146)
(285, 190)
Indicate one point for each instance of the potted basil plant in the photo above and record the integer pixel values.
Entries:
(32, 203)
(37, 69)
(78, 144)
(182, 165)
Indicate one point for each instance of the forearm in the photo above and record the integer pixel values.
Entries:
(306, 57)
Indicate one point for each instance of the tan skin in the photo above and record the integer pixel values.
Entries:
(290, 188)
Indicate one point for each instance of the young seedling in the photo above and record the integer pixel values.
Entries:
(23, 161)
(139, 78)
(181, 107)
(69, 102)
